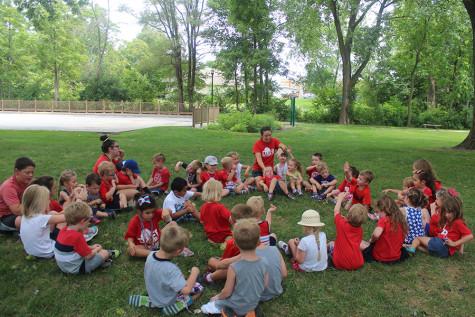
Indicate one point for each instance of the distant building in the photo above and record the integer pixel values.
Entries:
(287, 87)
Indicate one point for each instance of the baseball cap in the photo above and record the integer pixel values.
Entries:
(132, 165)
(211, 160)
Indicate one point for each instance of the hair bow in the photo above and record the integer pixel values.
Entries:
(144, 200)
(452, 192)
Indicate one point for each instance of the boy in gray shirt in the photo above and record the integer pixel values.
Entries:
(166, 286)
(276, 269)
(246, 278)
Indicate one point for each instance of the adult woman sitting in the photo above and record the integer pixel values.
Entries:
(111, 152)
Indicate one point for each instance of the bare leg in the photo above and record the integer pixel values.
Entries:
(140, 251)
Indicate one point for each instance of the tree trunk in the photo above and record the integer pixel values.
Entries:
(261, 87)
(431, 100)
(267, 85)
(179, 82)
(346, 90)
(56, 81)
(236, 90)
(246, 87)
(411, 93)
(469, 142)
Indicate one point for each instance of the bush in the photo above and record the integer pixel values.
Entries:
(245, 122)
(447, 118)
(394, 113)
(364, 114)
(326, 106)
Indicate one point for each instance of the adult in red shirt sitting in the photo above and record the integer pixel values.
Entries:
(264, 150)
(111, 152)
(11, 193)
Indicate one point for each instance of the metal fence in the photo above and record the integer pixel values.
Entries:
(85, 106)
(203, 114)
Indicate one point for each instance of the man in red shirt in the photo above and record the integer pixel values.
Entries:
(11, 193)
(264, 150)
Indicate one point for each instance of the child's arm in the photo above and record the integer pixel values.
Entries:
(190, 282)
(339, 201)
(55, 219)
(95, 249)
(289, 151)
(283, 267)
(225, 263)
(95, 202)
(180, 164)
(332, 183)
(131, 246)
(425, 217)
(111, 191)
(378, 231)
(248, 169)
(269, 213)
(228, 287)
(390, 190)
(459, 242)
(131, 186)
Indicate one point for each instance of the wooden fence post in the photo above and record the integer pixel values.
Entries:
(2, 104)
(69, 105)
(52, 105)
(103, 106)
(140, 106)
(86, 105)
(35, 105)
(158, 107)
(122, 104)
(18, 101)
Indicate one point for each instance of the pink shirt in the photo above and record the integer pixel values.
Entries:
(11, 193)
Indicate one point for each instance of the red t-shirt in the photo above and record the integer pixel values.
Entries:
(434, 228)
(388, 247)
(347, 254)
(361, 196)
(215, 219)
(438, 185)
(312, 173)
(223, 177)
(146, 233)
(124, 179)
(161, 175)
(206, 176)
(75, 239)
(348, 186)
(54, 205)
(268, 180)
(454, 231)
(267, 151)
(230, 250)
(11, 193)
(103, 158)
(428, 193)
(104, 189)
(265, 232)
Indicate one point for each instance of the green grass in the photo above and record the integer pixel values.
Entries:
(422, 286)
(302, 104)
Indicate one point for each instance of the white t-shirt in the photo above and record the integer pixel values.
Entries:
(238, 171)
(308, 244)
(281, 170)
(175, 203)
(34, 233)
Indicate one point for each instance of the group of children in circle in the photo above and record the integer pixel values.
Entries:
(424, 216)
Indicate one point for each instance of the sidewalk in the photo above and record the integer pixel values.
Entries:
(87, 122)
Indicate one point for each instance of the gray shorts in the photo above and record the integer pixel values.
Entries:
(91, 264)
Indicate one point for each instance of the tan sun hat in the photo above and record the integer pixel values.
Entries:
(310, 218)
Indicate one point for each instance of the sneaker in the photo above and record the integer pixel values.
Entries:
(332, 200)
(187, 252)
(106, 264)
(290, 196)
(90, 233)
(284, 247)
(204, 278)
(244, 191)
(114, 253)
(411, 250)
(294, 192)
(112, 214)
(299, 193)
(252, 188)
(270, 196)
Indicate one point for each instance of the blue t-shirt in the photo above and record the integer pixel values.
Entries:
(325, 181)
(414, 223)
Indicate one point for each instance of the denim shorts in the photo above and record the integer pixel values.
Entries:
(437, 247)
(256, 173)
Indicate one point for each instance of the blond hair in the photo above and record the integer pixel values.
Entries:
(66, 176)
(257, 205)
(241, 211)
(357, 215)
(159, 156)
(321, 166)
(316, 232)
(77, 211)
(35, 201)
(106, 167)
(408, 182)
(246, 234)
(174, 238)
(226, 161)
(233, 153)
(368, 175)
(212, 191)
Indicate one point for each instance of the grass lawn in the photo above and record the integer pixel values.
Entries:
(421, 286)
(302, 104)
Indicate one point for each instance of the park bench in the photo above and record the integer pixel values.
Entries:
(431, 125)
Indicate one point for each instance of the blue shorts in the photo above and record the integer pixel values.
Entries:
(437, 247)
(256, 173)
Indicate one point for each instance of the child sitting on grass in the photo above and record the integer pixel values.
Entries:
(282, 166)
(351, 174)
(362, 192)
(416, 215)
(294, 173)
(49, 183)
(345, 252)
(178, 201)
(70, 191)
(110, 195)
(166, 286)
(453, 235)
(386, 242)
(310, 253)
(193, 174)
(229, 178)
(324, 183)
(239, 167)
(424, 166)
(143, 232)
(129, 180)
(246, 278)
(73, 255)
(160, 177)
(214, 216)
(270, 183)
(258, 210)
(312, 170)
(425, 184)
(39, 228)
(217, 267)
(93, 185)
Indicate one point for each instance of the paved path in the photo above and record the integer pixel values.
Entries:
(87, 122)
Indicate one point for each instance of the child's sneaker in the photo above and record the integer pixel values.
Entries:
(251, 188)
(284, 247)
(187, 252)
(290, 196)
(299, 193)
(332, 201)
(114, 253)
(90, 233)
(106, 264)
(270, 196)
(411, 250)
(205, 278)
(294, 192)
(244, 191)
(112, 214)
